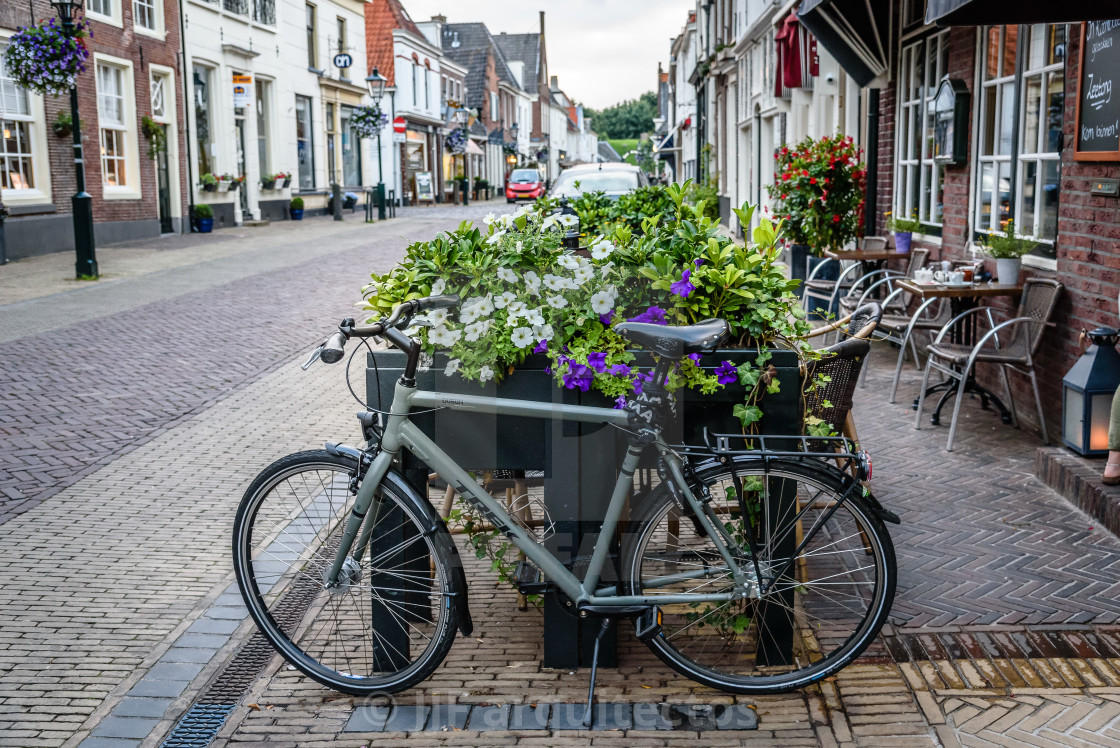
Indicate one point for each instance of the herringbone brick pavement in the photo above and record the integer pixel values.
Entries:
(982, 541)
(1069, 721)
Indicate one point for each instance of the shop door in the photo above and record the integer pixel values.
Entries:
(163, 182)
(243, 193)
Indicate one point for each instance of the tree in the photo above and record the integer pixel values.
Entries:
(626, 120)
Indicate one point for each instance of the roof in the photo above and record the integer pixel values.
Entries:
(524, 48)
(382, 18)
(467, 44)
(607, 151)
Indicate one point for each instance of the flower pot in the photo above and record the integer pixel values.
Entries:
(223, 186)
(1007, 270)
(61, 131)
(297, 214)
(798, 255)
(268, 184)
(902, 241)
(209, 187)
(281, 184)
(205, 225)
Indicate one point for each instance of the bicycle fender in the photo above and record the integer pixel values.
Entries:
(435, 526)
(881, 511)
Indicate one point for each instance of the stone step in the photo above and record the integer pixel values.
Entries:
(1078, 479)
(255, 223)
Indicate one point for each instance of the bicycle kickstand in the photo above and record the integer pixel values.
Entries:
(588, 716)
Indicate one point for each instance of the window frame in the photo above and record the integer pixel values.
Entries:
(200, 152)
(1017, 158)
(157, 29)
(132, 188)
(262, 100)
(915, 161)
(40, 193)
(311, 22)
(310, 130)
(113, 18)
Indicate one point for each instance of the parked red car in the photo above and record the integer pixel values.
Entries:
(524, 184)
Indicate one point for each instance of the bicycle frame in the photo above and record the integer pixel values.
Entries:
(399, 432)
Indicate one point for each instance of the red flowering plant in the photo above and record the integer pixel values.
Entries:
(819, 190)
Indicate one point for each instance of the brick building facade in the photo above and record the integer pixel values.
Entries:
(134, 71)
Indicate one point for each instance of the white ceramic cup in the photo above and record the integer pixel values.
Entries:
(923, 275)
(941, 276)
(956, 278)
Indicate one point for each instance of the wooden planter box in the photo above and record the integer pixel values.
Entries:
(580, 461)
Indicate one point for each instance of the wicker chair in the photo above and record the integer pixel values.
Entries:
(1011, 344)
(882, 281)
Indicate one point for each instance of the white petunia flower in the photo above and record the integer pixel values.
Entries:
(602, 302)
(451, 368)
(583, 274)
(515, 309)
(610, 290)
(439, 286)
(486, 374)
(555, 282)
(436, 317)
(489, 219)
(602, 249)
(502, 301)
(522, 337)
(473, 331)
(495, 237)
(557, 301)
(543, 332)
(552, 220)
(533, 282)
(519, 246)
(443, 336)
(507, 275)
(533, 317)
(568, 261)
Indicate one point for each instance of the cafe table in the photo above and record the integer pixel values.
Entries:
(961, 298)
(870, 260)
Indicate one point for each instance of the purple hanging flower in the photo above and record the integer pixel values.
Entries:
(597, 360)
(698, 261)
(727, 373)
(607, 317)
(541, 347)
(695, 358)
(578, 377)
(654, 315)
(618, 370)
(620, 402)
(683, 287)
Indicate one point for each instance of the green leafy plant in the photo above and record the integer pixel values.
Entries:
(819, 190)
(63, 124)
(156, 135)
(1007, 245)
(208, 180)
(202, 210)
(903, 225)
(296, 203)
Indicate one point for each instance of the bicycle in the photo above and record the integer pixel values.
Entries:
(748, 569)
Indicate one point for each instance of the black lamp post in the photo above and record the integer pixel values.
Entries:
(463, 116)
(85, 265)
(375, 83)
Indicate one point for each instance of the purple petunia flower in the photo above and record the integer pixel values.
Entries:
(698, 261)
(683, 287)
(695, 358)
(597, 360)
(578, 377)
(618, 370)
(727, 373)
(654, 315)
(606, 318)
(620, 402)
(541, 347)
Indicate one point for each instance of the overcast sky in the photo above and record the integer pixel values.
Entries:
(604, 51)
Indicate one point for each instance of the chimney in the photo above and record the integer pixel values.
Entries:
(553, 83)
(439, 18)
(542, 24)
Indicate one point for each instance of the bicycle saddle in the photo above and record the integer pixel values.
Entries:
(675, 341)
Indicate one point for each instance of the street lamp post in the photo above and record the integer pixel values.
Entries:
(375, 83)
(463, 116)
(85, 265)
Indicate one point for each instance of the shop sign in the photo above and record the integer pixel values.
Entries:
(399, 137)
(1098, 104)
(424, 186)
(343, 61)
(242, 96)
(950, 135)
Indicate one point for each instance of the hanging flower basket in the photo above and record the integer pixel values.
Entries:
(510, 149)
(45, 59)
(367, 121)
(457, 141)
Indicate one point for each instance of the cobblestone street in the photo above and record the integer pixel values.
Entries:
(135, 411)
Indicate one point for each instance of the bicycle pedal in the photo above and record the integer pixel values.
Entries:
(529, 580)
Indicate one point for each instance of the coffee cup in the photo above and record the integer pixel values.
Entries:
(956, 278)
(941, 276)
(923, 275)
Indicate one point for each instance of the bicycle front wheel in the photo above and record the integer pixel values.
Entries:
(388, 623)
(804, 620)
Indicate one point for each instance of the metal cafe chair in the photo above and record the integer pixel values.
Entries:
(828, 290)
(1011, 344)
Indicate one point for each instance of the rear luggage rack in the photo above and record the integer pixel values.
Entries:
(788, 446)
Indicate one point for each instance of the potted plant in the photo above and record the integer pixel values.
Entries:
(818, 191)
(46, 58)
(268, 181)
(204, 218)
(63, 124)
(156, 135)
(481, 185)
(209, 182)
(234, 182)
(287, 180)
(296, 208)
(1007, 250)
(904, 230)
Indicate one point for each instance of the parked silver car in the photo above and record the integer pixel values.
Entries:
(614, 179)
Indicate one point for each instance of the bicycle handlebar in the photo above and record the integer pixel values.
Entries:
(333, 348)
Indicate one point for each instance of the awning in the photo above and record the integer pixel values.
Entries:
(473, 149)
(665, 145)
(986, 12)
(855, 32)
(796, 56)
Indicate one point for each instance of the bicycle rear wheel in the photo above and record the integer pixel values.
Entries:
(389, 624)
(817, 614)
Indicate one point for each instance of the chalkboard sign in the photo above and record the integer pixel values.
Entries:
(1098, 105)
(424, 187)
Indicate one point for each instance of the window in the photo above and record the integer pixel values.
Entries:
(158, 88)
(304, 143)
(332, 170)
(312, 56)
(264, 96)
(264, 11)
(111, 115)
(100, 7)
(203, 120)
(415, 87)
(351, 150)
(427, 89)
(341, 35)
(1022, 96)
(919, 182)
(144, 14)
(494, 106)
(17, 157)
(241, 7)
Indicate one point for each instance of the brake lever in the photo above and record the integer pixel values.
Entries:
(314, 357)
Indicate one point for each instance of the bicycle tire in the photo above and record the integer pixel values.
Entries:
(360, 637)
(829, 624)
